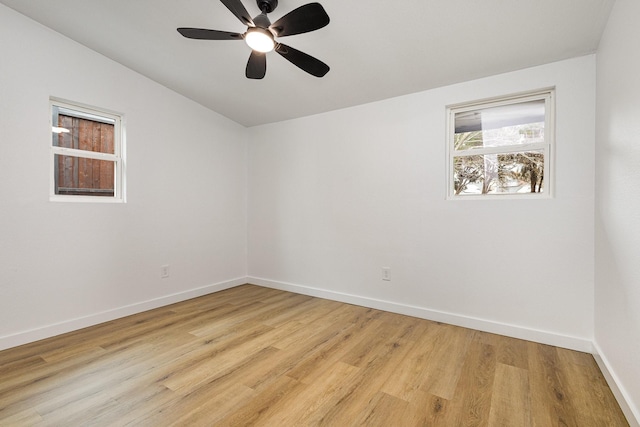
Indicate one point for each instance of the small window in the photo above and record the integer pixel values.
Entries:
(501, 147)
(86, 154)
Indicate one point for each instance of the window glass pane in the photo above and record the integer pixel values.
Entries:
(82, 133)
(512, 124)
(80, 176)
(521, 172)
(468, 175)
(507, 173)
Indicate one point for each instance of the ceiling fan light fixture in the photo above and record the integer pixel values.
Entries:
(260, 39)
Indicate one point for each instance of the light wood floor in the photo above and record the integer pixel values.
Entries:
(257, 356)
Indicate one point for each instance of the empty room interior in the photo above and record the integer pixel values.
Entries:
(411, 213)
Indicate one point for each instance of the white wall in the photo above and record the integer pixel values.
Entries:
(617, 275)
(335, 197)
(67, 265)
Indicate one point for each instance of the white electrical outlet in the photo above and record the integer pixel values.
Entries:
(164, 271)
(386, 274)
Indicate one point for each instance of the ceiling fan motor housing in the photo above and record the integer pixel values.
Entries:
(262, 21)
(267, 6)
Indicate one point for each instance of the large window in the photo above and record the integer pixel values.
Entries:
(86, 153)
(501, 147)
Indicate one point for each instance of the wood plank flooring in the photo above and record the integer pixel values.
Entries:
(257, 356)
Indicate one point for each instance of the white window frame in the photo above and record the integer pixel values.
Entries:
(548, 95)
(97, 114)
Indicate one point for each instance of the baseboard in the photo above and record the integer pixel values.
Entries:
(48, 331)
(544, 337)
(626, 404)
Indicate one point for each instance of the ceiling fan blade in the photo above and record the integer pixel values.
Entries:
(257, 65)
(303, 61)
(204, 34)
(237, 8)
(309, 17)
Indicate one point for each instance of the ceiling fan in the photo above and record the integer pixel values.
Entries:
(261, 34)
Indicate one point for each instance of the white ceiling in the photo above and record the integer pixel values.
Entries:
(376, 49)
